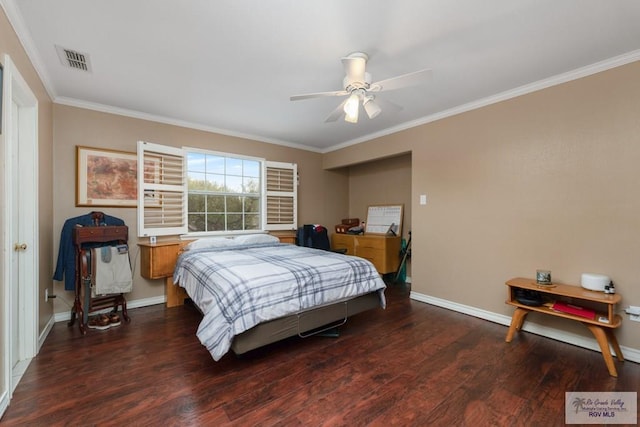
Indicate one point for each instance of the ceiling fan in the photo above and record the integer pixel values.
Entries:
(357, 85)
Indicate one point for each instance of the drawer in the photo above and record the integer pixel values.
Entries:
(376, 258)
(158, 261)
(287, 239)
(342, 241)
(369, 253)
(104, 233)
(373, 243)
(285, 236)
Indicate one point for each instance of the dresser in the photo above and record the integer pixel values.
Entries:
(382, 250)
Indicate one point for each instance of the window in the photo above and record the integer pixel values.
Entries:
(219, 193)
(223, 192)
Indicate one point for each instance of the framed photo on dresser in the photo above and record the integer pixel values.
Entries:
(384, 219)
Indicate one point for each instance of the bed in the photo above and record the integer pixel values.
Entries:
(253, 290)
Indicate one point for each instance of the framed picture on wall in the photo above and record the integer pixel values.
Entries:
(106, 177)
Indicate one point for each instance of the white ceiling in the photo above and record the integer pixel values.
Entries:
(231, 66)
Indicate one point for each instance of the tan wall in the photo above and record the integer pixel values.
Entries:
(547, 180)
(323, 195)
(381, 182)
(9, 44)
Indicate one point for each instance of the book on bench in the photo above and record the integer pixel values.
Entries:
(574, 309)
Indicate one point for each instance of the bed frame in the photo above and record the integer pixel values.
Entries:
(305, 323)
(158, 261)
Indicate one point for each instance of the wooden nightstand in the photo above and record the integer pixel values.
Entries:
(285, 236)
(157, 261)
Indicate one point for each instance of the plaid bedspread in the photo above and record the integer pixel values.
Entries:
(237, 288)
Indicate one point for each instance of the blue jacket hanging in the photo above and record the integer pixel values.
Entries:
(66, 266)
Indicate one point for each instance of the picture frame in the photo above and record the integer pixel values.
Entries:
(106, 178)
(384, 219)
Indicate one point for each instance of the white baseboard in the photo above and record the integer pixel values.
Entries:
(4, 402)
(45, 332)
(631, 354)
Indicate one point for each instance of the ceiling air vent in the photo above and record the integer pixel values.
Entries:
(73, 59)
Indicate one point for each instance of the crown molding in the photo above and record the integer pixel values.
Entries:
(24, 37)
(556, 80)
(72, 102)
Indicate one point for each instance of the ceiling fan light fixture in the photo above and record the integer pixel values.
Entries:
(358, 86)
(351, 108)
(370, 106)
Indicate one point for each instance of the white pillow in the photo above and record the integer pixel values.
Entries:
(209, 242)
(252, 239)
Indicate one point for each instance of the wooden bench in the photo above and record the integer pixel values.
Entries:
(602, 326)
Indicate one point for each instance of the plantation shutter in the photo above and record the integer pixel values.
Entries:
(281, 196)
(162, 201)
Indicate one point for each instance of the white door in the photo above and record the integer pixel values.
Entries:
(19, 226)
(22, 281)
(14, 269)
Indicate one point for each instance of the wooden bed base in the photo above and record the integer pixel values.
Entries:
(175, 294)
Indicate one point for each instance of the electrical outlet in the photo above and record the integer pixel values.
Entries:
(152, 240)
(632, 310)
(46, 295)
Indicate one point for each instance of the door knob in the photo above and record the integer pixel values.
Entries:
(22, 247)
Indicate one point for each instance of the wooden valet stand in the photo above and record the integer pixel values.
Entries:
(83, 303)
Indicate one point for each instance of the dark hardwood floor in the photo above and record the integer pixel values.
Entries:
(411, 364)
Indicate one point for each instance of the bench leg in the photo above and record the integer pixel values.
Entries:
(516, 322)
(603, 342)
(614, 343)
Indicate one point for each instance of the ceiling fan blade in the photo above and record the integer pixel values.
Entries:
(319, 95)
(337, 113)
(410, 79)
(354, 66)
(388, 106)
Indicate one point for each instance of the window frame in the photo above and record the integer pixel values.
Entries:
(265, 194)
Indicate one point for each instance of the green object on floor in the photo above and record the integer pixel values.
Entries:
(405, 253)
(401, 277)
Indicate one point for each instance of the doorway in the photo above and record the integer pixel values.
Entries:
(19, 227)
